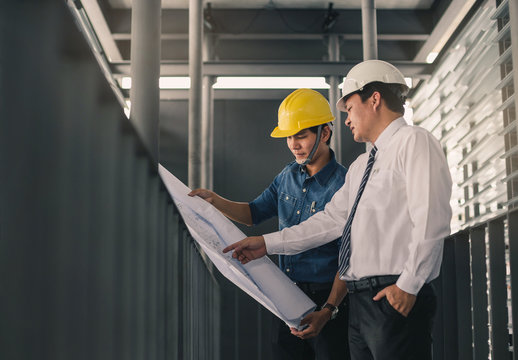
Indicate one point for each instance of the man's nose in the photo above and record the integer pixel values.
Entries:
(294, 144)
(347, 120)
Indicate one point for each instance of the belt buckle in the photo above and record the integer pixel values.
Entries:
(374, 282)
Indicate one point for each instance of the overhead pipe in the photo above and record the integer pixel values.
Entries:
(195, 93)
(145, 72)
(369, 30)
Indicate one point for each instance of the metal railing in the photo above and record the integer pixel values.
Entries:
(95, 262)
(477, 313)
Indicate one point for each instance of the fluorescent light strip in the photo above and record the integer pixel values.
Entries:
(268, 82)
(165, 82)
(243, 82)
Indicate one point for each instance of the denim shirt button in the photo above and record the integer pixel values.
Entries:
(298, 212)
(304, 190)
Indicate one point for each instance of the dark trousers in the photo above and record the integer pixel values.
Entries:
(330, 344)
(377, 331)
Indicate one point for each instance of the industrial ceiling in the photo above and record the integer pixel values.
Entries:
(284, 37)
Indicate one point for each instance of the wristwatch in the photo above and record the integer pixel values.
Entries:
(334, 309)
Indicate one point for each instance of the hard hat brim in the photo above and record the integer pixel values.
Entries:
(340, 104)
(278, 133)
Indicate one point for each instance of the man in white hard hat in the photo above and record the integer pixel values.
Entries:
(392, 214)
(298, 192)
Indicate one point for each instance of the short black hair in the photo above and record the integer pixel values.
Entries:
(391, 93)
(314, 129)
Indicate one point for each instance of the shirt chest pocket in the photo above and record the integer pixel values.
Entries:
(384, 187)
(287, 205)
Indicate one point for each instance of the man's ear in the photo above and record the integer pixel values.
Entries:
(326, 133)
(376, 100)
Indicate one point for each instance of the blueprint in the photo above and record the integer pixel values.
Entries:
(261, 278)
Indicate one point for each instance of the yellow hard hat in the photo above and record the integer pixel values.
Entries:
(302, 109)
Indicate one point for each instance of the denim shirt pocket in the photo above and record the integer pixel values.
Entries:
(287, 204)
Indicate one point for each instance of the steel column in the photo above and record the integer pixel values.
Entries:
(195, 93)
(145, 72)
(369, 30)
(334, 95)
(207, 122)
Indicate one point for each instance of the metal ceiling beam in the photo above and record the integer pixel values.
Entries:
(221, 68)
(102, 30)
(445, 28)
(281, 36)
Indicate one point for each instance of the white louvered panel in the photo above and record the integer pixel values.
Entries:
(462, 105)
(502, 9)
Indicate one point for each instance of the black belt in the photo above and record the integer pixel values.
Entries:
(309, 287)
(370, 283)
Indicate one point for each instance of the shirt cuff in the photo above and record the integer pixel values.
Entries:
(273, 242)
(409, 283)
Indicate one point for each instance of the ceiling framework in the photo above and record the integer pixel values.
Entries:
(283, 38)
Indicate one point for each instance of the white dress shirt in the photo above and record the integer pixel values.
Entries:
(402, 218)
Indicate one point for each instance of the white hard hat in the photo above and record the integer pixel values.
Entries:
(367, 72)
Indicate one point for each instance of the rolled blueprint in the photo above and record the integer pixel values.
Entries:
(261, 278)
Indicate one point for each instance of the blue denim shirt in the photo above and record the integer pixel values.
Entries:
(294, 196)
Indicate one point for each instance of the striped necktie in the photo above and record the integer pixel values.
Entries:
(345, 246)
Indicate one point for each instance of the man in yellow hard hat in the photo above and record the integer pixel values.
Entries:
(299, 191)
(393, 214)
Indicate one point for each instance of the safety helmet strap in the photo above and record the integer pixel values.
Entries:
(315, 147)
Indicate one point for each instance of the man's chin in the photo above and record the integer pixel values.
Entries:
(300, 161)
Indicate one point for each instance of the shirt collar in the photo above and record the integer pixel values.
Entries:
(391, 129)
(325, 173)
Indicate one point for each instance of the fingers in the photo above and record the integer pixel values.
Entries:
(232, 247)
(205, 194)
(305, 321)
(380, 295)
(296, 332)
(307, 333)
(238, 253)
(195, 192)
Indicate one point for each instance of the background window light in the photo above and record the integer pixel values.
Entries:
(270, 82)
